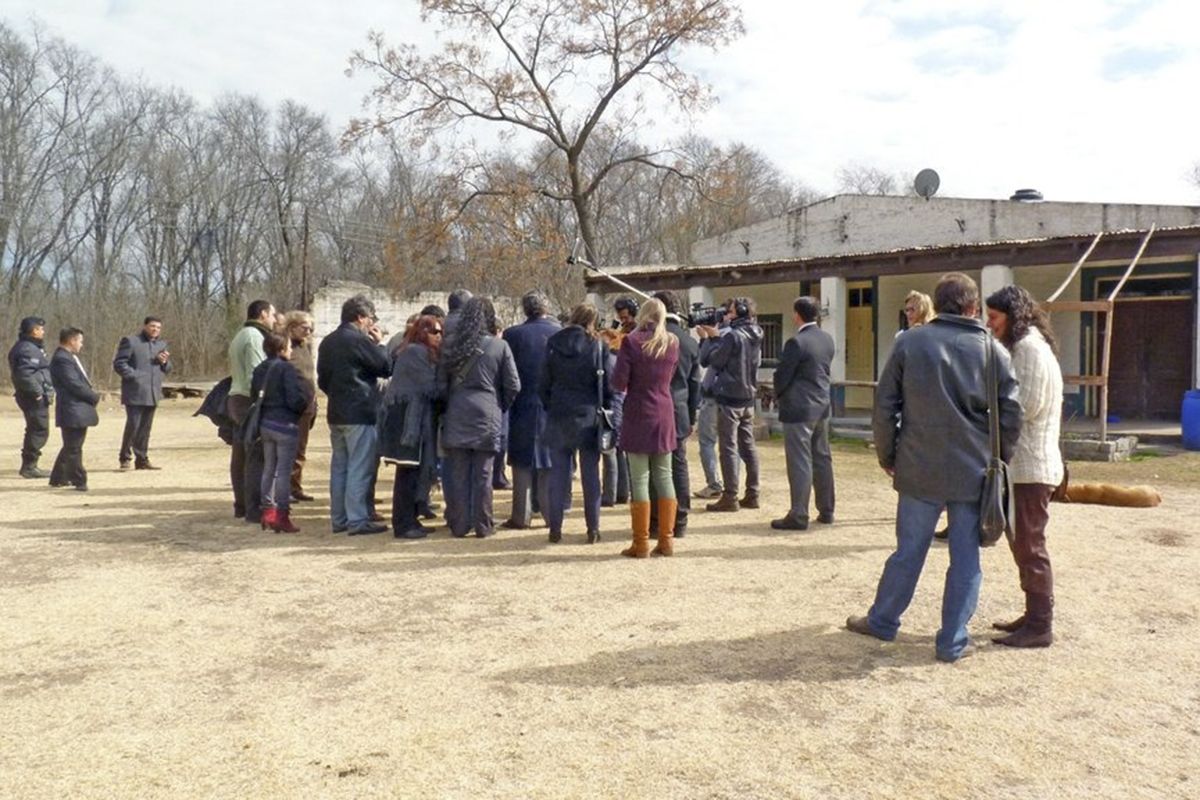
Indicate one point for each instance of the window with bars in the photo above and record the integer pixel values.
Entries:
(772, 345)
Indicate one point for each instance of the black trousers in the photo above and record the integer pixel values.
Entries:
(135, 442)
(405, 490)
(470, 503)
(37, 429)
(245, 465)
(68, 466)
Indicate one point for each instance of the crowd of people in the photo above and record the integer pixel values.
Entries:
(453, 399)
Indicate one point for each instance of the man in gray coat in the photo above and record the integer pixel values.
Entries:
(802, 391)
(141, 360)
(937, 456)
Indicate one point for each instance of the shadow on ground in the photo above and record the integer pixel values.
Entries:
(811, 654)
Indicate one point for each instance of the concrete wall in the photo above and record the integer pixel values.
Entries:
(860, 223)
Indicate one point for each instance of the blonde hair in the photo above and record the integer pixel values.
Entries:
(652, 317)
(294, 319)
(923, 305)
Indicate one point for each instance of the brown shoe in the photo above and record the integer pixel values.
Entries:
(728, 502)
(861, 625)
(1010, 627)
(750, 500)
(1027, 637)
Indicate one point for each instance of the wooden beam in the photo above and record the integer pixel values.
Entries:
(1121, 284)
(1077, 305)
(1084, 380)
(1075, 270)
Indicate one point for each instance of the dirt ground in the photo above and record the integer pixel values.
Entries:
(152, 646)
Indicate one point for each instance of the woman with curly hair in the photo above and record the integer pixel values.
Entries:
(1036, 465)
(407, 435)
(643, 371)
(478, 377)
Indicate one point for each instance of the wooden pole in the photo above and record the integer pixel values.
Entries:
(304, 264)
(1108, 328)
(1121, 284)
(1075, 271)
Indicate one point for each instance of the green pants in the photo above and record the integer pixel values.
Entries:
(643, 468)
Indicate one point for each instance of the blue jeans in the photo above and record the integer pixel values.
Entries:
(351, 470)
(279, 454)
(706, 432)
(915, 523)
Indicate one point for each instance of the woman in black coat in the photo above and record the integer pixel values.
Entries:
(75, 411)
(571, 392)
(285, 398)
(407, 436)
(479, 379)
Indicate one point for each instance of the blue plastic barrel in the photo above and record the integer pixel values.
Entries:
(1190, 420)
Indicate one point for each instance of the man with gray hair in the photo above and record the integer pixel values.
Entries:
(937, 375)
(528, 455)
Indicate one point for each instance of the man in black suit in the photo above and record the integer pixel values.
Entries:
(34, 393)
(802, 391)
(75, 411)
(685, 391)
(141, 360)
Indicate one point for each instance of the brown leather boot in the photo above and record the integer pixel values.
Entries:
(1009, 627)
(728, 502)
(666, 526)
(282, 523)
(750, 499)
(639, 512)
(1038, 630)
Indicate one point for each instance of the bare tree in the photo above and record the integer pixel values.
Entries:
(857, 178)
(559, 70)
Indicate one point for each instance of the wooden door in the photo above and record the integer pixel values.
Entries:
(1151, 358)
(860, 343)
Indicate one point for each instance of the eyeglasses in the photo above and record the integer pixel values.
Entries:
(438, 331)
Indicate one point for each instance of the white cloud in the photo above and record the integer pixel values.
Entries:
(1075, 98)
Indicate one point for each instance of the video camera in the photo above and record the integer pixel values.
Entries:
(705, 315)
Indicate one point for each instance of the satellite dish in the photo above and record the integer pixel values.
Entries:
(926, 183)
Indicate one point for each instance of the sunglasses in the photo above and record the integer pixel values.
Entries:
(438, 331)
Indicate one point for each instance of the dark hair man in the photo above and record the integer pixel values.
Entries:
(349, 362)
(433, 310)
(802, 392)
(527, 453)
(76, 409)
(141, 360)
(734, 353)
(34, 392)
(685, 393)
(246, 353)
(936, 375)
(626, 309)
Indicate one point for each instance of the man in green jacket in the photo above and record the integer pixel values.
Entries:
(246, 353)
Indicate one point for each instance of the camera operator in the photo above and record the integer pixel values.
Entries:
(733, 352)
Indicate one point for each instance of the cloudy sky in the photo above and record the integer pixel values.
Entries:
(1083, 99)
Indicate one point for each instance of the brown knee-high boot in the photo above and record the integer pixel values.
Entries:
(639, 511)
(1038, 628)
(667, 506)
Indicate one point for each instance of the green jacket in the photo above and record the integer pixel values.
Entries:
(246, 353)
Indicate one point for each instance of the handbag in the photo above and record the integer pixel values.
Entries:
(252, 426)
(996, 505)
(606, 432)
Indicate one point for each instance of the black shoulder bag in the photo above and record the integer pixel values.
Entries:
(606, 432)
(996, 506)
(252, 427)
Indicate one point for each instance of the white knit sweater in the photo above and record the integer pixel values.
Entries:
(1037, 458)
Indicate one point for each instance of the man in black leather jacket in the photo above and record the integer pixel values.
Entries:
(33, 390)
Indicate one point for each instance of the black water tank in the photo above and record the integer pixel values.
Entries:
(1027, 196)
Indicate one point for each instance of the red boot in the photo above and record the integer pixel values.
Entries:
(269, 515)
(283, 523)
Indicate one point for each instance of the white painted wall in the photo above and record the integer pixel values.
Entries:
(861, 223)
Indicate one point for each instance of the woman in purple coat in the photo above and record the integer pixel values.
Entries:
(644, 368)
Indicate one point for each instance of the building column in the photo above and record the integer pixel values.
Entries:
(834, 300)
(700, 294)
(993, 278)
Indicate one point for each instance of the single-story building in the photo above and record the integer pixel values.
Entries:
(1155, 355)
